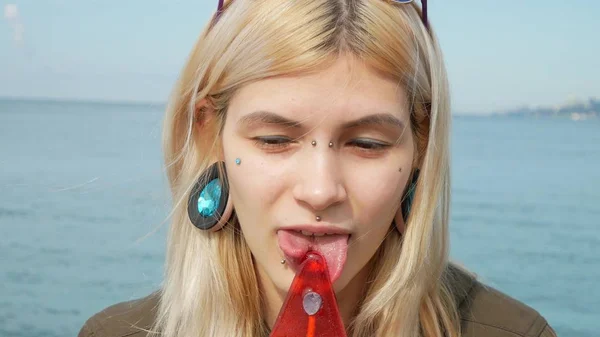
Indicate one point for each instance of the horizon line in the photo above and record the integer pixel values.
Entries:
(42, 99)
(163, 104)
(80, 100)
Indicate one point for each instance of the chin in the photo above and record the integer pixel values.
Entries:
(283, 282)
(341, 283)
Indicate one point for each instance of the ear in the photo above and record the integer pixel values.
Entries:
(203, 112)
(204, 119)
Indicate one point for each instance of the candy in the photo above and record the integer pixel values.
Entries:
(310, 309)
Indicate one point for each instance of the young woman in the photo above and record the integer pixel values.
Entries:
(316, 125)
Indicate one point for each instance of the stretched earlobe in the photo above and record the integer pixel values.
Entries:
(407, 200)
(399, 222)
(209, 202)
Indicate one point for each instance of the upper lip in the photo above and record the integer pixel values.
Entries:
(317, 228)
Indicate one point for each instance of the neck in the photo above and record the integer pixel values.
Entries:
(348, 298)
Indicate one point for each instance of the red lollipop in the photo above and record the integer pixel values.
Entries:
(310, 308)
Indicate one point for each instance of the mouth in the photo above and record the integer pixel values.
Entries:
(330, 241)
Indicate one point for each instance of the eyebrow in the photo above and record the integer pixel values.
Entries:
(266, 117)
(378, 119)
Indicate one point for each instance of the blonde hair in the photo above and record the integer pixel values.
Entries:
(210, 286)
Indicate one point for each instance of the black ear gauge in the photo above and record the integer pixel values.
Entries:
(209, 207)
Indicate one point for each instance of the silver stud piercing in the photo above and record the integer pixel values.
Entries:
(330, 144)
(318, 218)
(283, 261)
(238, 161)
(314, 143)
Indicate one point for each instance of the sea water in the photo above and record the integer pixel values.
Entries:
(84, 203)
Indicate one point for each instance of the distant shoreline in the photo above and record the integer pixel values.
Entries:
(577, 110)
(80, 101)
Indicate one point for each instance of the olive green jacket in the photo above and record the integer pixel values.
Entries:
(484, 312)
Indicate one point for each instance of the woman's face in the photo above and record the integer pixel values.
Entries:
(288, 174)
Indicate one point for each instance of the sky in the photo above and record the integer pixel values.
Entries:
(499, 54)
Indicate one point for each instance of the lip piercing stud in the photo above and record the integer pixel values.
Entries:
(238, 161)
(330, 144)
(318, 218)
(314, 143)
(283, 261)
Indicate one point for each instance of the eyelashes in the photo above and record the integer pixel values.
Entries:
(369, 144)
(272, 142)
(282, 143)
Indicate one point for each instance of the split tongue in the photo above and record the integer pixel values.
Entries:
(310, 308)
(333, 248)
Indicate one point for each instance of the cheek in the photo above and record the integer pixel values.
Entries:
(375, 190)
(377, 196)
(249, 190)
(253, 196)
(255, 185)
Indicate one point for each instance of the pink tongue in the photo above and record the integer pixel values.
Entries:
(334, 248)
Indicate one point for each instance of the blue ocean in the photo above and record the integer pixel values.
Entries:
(84, 204)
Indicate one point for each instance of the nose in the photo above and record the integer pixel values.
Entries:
(320, 182)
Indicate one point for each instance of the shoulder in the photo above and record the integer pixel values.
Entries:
(487, 312)
(127, 319)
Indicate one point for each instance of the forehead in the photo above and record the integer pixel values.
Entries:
(345, 90)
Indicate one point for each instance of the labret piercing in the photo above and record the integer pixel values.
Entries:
(238, 161)
(283, 261)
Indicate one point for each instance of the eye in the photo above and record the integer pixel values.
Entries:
(272, 142)
(369, 144)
